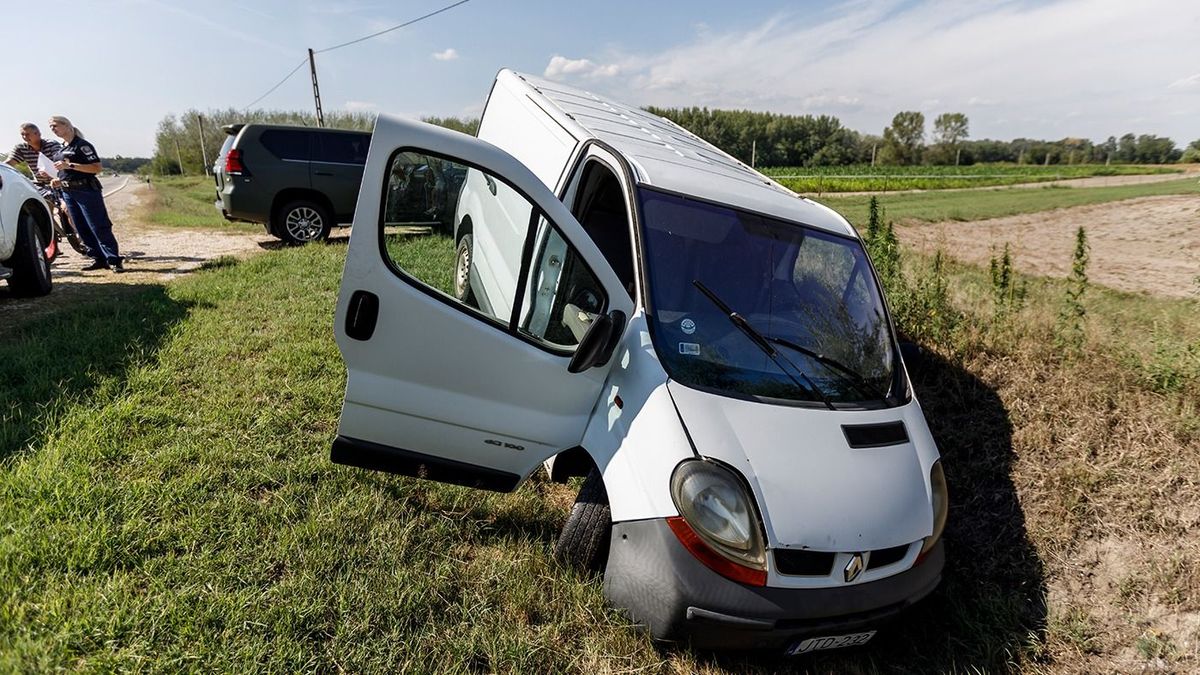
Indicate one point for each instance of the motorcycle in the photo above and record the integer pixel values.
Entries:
(63, 229)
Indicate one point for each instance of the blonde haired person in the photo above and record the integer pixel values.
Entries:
(78, 170)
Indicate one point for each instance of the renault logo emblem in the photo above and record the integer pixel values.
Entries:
(853, 568)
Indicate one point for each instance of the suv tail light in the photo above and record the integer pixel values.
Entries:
(233, 163)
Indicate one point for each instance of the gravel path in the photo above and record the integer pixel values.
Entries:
(153, 255)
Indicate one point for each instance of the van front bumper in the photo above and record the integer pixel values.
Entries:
(677, 598)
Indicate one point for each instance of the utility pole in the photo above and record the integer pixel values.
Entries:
(873, 147)
(753, 149)
(203, 151)
(178, 157)
(312, 65)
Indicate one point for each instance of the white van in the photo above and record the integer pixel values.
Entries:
(623, 301)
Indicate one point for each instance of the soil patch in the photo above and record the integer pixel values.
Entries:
(1149, 244)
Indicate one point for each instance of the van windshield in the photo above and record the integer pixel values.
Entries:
(810, 324)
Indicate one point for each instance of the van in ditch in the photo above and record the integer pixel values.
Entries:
(622, 301)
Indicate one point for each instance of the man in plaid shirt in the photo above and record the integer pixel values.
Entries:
(27, 151)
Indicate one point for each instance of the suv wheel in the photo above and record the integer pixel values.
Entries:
(31, 269)
(302, 221)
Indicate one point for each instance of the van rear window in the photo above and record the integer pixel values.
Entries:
(286, 143)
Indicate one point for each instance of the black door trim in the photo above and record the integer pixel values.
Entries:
(378, 457)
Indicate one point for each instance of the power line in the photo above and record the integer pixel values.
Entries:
(279, 84)
(355, 41)
(397, 27)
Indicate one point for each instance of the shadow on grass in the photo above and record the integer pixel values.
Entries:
(989, 612)
(69, 350)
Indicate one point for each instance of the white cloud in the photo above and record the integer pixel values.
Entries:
(1019, 67)
(561, 66)
(446, 55)
(361, 106)
(1186, 83)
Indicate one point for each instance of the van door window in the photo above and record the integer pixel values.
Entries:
(465, 234)
(287, 143)
(564, 297)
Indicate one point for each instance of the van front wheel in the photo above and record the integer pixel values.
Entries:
(583, 544)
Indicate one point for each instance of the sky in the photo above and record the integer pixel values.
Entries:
(1048, 69)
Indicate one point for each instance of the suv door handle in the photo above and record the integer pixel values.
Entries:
(491, 183)
(362, 315)
(322, 173)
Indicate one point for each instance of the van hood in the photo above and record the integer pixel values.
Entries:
(813, 490)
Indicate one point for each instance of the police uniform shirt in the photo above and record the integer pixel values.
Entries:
(79, 151)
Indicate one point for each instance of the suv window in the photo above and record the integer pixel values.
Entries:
(341, 148)
(286, 143)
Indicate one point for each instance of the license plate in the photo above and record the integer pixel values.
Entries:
(830, 642)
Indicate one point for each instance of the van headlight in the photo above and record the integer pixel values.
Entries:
(940, 502)
(714, 505)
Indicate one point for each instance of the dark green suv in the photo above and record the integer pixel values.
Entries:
(297, 181)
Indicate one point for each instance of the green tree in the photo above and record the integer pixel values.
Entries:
(949, 130)
(904, 141)
(1192, 153)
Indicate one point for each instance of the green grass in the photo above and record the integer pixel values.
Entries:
(864, 177)
(979, 204)
(168, 503)
(187, 201)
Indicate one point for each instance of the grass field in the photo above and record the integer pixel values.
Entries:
(979, 204)
(867, 178)
(187, 201)
(169, 505)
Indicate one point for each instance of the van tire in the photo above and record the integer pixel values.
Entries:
(302, 221)
(583, 544)
(462, 270)
(30, 268)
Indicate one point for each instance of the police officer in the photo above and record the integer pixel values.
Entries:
(78, 170)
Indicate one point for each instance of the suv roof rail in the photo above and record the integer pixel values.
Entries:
(232, 129)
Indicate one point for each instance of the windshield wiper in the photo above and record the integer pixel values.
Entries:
(763, 343)
(847, 374)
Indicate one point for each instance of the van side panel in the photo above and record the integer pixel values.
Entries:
(514, 123)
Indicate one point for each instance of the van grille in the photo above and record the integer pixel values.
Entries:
(804, 563)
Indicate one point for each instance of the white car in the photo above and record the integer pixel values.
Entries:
(630, 304)
(25, 231)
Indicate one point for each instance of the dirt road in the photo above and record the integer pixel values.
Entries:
(152, 254)
(1150, 244)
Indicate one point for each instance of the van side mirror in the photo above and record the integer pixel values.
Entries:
(599, 343)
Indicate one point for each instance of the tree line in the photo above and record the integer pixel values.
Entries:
(758, 138)
(771, 139)
(182, 143)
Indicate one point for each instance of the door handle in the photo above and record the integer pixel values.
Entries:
(322, 173)
(491, 184)
(361, 315)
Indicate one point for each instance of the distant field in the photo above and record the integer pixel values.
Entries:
(867, 178)
(977, 205)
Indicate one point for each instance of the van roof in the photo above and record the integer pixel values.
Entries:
(666, 155)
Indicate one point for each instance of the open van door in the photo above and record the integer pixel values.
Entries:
(441, 385)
